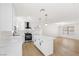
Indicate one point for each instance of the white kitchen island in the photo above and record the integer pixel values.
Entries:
(44, 44)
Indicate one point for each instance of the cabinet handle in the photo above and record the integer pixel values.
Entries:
(40, 43)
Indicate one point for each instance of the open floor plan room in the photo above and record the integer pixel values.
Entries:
(39, 29)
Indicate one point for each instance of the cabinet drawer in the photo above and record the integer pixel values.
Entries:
(3, 51)
(46, 46)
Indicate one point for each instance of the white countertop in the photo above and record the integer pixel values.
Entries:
(71, 36)
(45, 37)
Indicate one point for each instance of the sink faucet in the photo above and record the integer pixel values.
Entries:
(14, 31)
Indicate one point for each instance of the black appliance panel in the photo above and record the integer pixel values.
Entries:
(28, 36)
(27, 25)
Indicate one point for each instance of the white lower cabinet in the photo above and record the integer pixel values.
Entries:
(11, 46)
(3, 45)
(15, 46)
(44, 44)
(3, 51)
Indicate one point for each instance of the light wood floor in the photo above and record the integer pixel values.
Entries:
(62, 47)
(66, 47)
(30, 50)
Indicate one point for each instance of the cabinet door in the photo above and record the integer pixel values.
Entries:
(15, 46)
(49, 46)
(3, 44)
(46, 46)
(3, 51)
(35, 39)
(5, 17)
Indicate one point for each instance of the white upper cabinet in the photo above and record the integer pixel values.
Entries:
(6, 16)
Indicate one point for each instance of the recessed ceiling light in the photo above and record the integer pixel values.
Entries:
(46, 24)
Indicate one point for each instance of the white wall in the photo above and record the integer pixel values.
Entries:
(20, 20)
(5, 17)
(51, 30)
(74, 34)
(13, 15)
(20, 23)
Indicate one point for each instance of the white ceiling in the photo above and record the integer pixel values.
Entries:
(56, 11)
